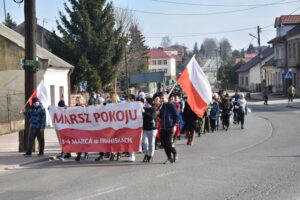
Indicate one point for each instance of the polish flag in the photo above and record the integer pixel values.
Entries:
(195, 84)
(41, 93)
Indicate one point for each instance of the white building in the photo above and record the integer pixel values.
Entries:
(158, 60)
(54, 71)
(250, 73)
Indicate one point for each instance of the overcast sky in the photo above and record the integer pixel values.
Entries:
(185, 21)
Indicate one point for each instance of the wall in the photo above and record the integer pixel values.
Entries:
(57, 77)
(281, 31)
(170, 66)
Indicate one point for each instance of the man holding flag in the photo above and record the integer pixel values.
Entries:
(37, 117)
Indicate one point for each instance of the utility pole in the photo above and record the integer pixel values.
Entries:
(260, 56)
(30, 65)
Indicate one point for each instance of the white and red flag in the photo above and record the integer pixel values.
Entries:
(195, 84)
(41, 93)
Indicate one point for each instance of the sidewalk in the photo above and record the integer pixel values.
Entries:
(9, 150)
(257, 99)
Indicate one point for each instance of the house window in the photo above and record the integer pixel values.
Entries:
(61, 91)
(165, 62)
(298, 60)
(159, 62)
(242, 80)
(246, 80)
(52, 94)
(290, 50)
(294, 50)
(154, 62)
(166, 71)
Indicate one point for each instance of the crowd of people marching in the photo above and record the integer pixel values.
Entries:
(166, 118)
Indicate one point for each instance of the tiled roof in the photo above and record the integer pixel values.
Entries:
(293, 31)
(157, 53)
(270, 62)
(254, 61)
(287, 19)
(177, 58)
(276, 39)
(53, 60)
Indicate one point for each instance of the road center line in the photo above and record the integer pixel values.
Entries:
(103, 192)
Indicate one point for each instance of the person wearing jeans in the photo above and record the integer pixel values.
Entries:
(37, 117)
(149, 130)
(169, 118)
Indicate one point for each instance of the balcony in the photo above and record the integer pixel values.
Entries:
(280, 62)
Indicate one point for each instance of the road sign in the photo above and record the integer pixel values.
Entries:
(288, 75)
(147, 77)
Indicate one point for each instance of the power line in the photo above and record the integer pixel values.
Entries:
(198, 14)
(267, 26)
(205, 33)
(221, 5)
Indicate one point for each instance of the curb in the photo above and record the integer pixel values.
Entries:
(40, 160)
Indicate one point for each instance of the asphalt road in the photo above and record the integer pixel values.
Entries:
(259, 162)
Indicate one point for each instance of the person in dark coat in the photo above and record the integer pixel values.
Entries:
(190, 123)
(226, 111)
(169, 118)
(37, 117)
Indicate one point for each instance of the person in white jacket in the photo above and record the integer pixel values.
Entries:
(241, 107)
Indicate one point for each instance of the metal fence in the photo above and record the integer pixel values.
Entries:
(10, 107)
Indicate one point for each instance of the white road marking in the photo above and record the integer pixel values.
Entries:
(103, 192)
(166, 174)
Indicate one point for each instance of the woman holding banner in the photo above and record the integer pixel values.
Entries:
(79, 102)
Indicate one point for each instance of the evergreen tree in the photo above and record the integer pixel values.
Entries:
(195, 49)
(9, 22)
(250, 49)
(202, 50)
(91, 42)
(137, 60)
(165, 41)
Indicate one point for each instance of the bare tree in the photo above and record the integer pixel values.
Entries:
(210, 46)
(125, 19)
(225, 49)
(165, 41)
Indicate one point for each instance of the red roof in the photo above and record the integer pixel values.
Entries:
(287, 19)
(157, 53)
(177, 58)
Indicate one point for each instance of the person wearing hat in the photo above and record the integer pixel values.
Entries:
(37, 118)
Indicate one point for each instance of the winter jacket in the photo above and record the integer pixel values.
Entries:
(169, 116)
(36, 116)
(242, 106)
(227, 108)
(149, 119)
(214, 110)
